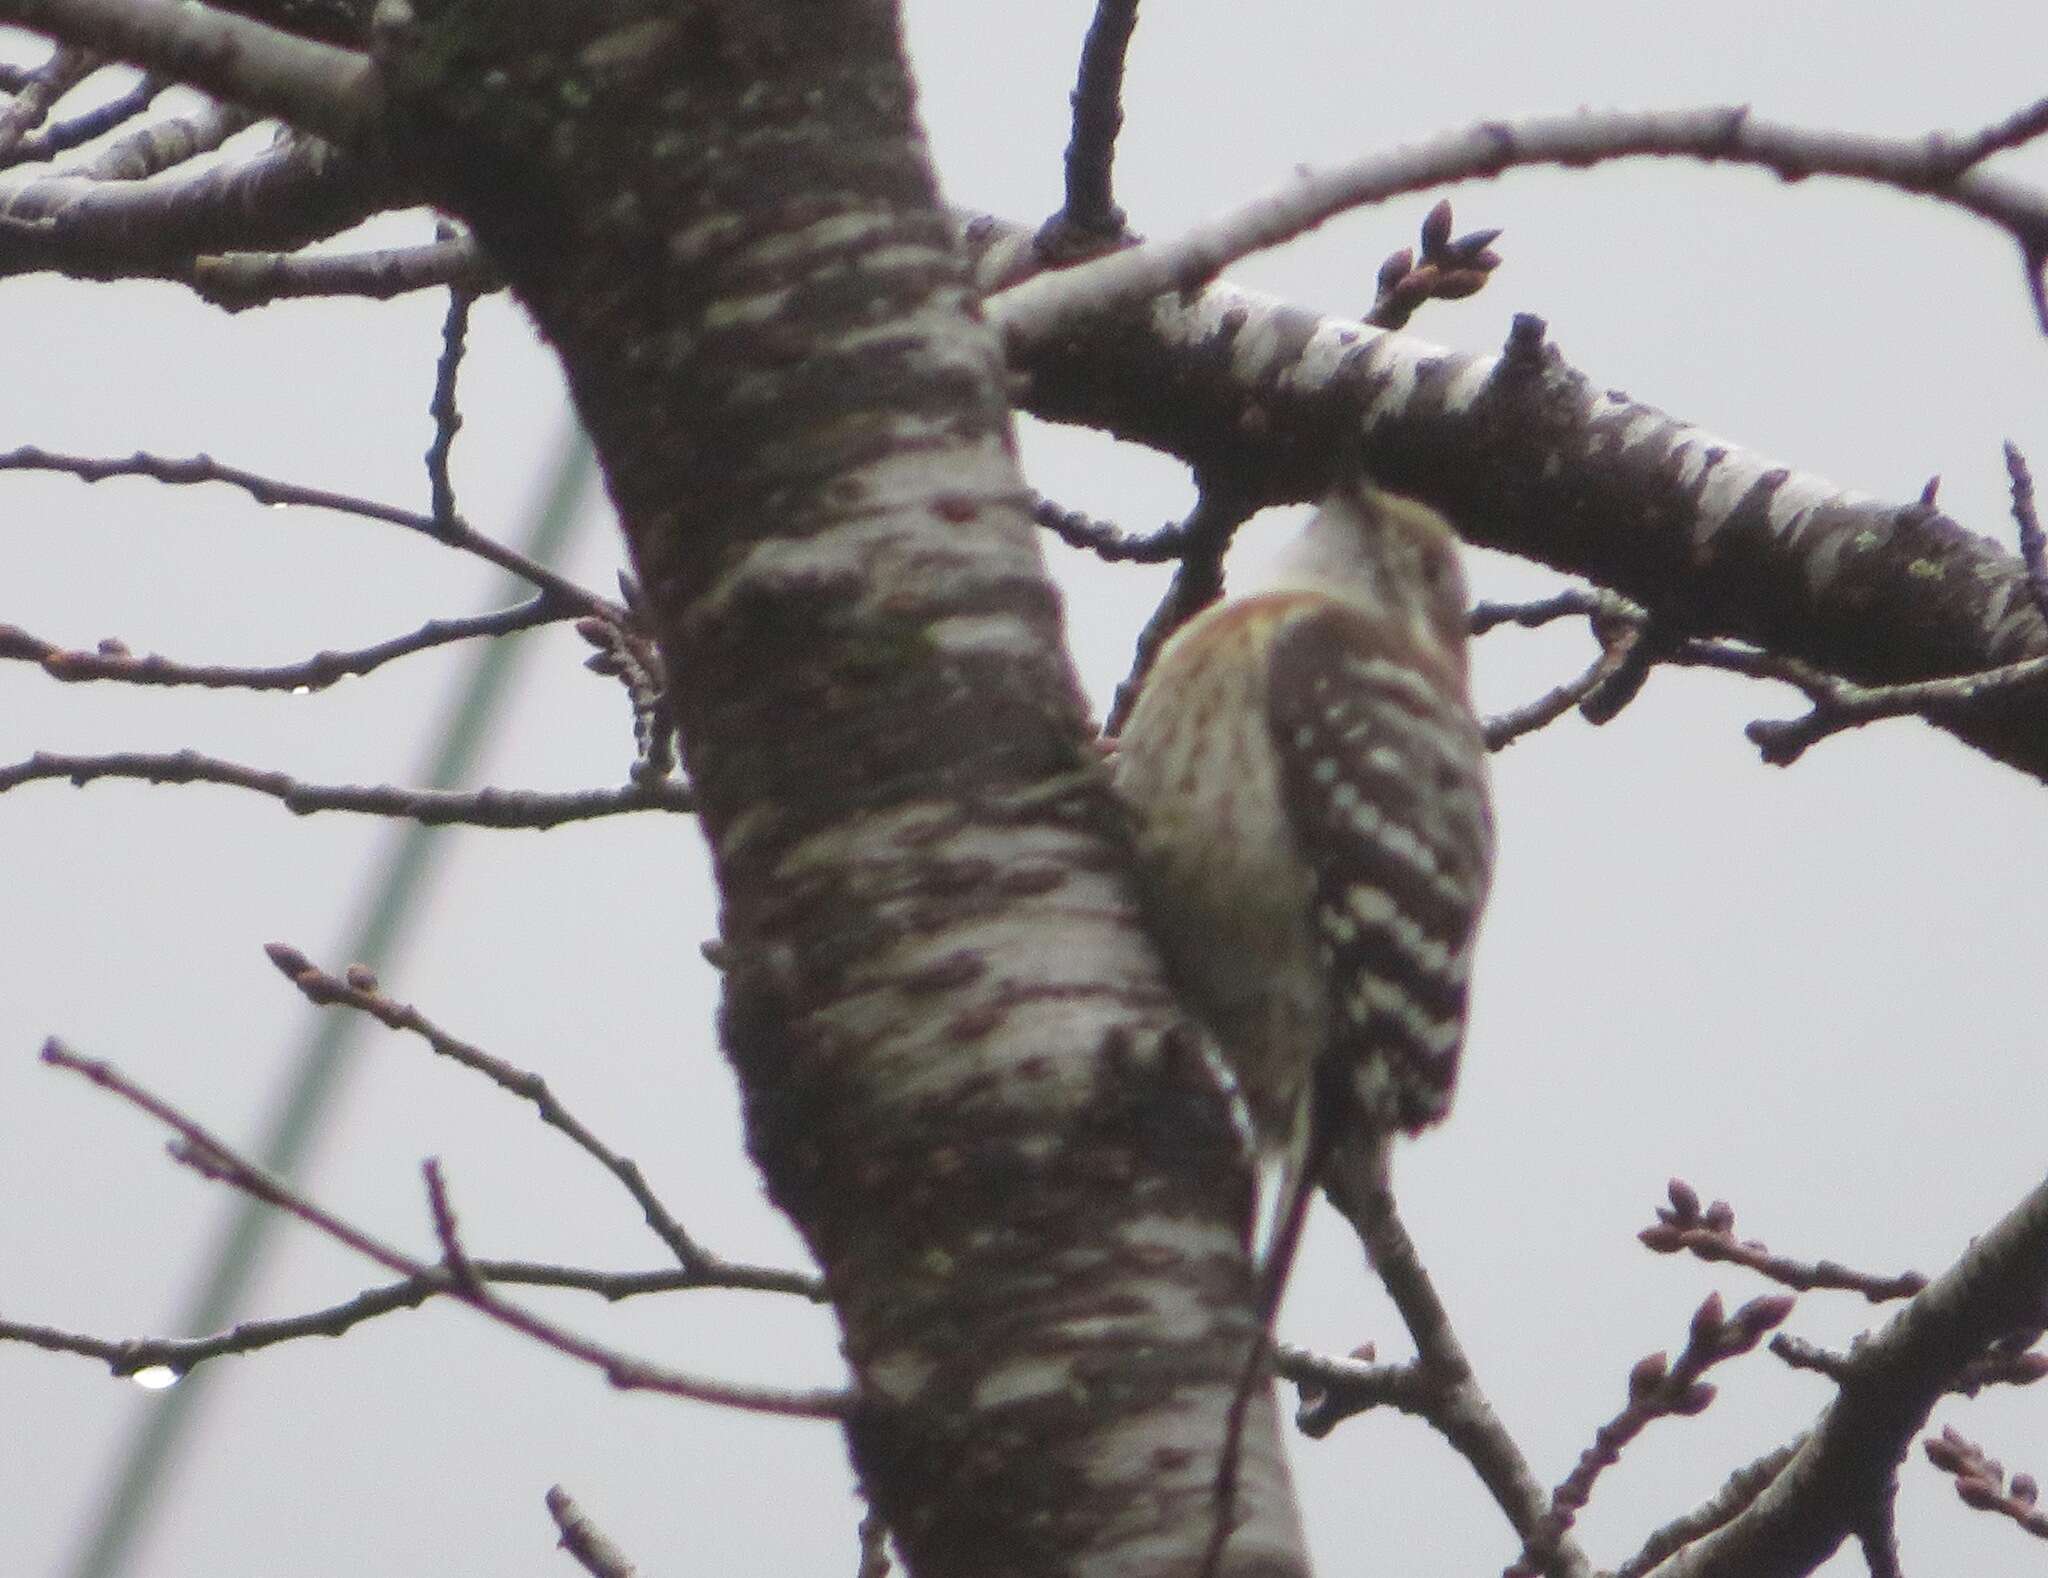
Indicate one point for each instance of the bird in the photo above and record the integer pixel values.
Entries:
(1314, 841)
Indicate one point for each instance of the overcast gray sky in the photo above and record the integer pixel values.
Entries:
(1812, 991)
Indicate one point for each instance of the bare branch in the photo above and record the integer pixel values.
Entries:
(2008, 1363)
(126, 1356)
(1091, 219)
(1334, 1390)
(212, 1158)
(1219, 510)
(1573, 602)
(122, 227)
(442, 407)
(1981, 1482)
(584, 1540)
(164, 144)
(332, 92)
(112, 660)
(1460, 1411)
(33, 101)
(360, 991)
(195, 470)
(2033, 545)
(252, 279)
(1845, 1468)
(1708, 1232)
(1657, 1389)
(627, 652)
(1840, 704)
(1109, 542)
(1052, 305)
(499, 808)
(1737, 1492)
(1506, 728)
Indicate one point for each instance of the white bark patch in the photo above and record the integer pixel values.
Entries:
(899, 1376)
(934, 332)
(1641, 428)
(1023, 1379)
(1468, 384)
(1333, 344)
(1191, 1238)
(1163, 1462)
(830, 233)
(885, 545)
(699, 241)
(1794, 504)
(738, 311)
(1728, 484)
(986, 634)
(1399, 362)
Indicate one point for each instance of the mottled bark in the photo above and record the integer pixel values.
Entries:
(964, 1078)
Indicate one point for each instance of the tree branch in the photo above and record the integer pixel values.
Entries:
(1460, 1410)
(1091, 218)
(119, 226)
(252, 279)
(113, 661)
(316, 87)
(499, 808)
(126, 1356)
(212, 1158)
(1937, 165)
(584, 1540)
(360, 991)
(195, 470)
(1845, 1468)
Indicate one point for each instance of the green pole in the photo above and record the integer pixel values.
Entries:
(325, 1056)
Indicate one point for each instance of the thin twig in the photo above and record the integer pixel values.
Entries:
(1461, 1412)
(1051, 304)
(1708, 1233)
(1109, 542)
(442, 407)
(212, 1158)
(1573, 602)
(499, 808)
(1218, 512)
(1736, 1492)
(55, 77)
(584, 1540)
(330, 92)
(62, 136)
(1847, 1465)
(1505, 728)
(360, 991)
(1333, 1390)
(2033, 546)
(112, 660)
(195, 470)
(125, 1356)
(251, 279)
(163, 144)
(1091, 218)
(1981, 1481)
(1657, 1389)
